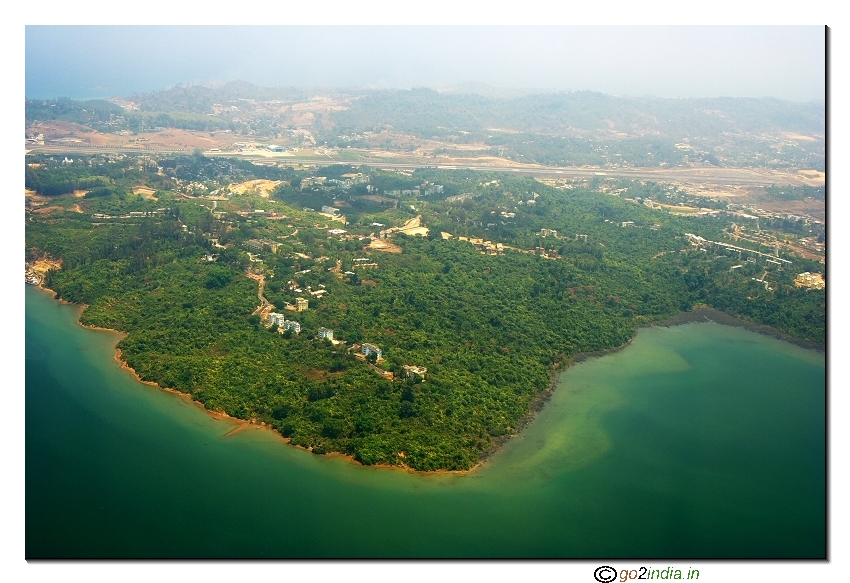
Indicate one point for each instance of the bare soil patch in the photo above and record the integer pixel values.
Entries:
(48, 210)
(168, 139)
(262, 188)
(415, 231)
(384, 245)
(45, 264)
(172, 138)
(798, 137)
(144, 191)
(815, 176)
(60, 129)
(679, 210)
(815, 208)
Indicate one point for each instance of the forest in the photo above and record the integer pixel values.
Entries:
(580, 270)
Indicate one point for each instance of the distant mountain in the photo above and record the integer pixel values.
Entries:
(200, 98)
(475, 107)
(426, 110)
(564, 128)
(486, 90)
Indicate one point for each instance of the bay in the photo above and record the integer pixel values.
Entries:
(695, 441)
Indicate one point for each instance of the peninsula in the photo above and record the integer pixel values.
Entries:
(409, 317)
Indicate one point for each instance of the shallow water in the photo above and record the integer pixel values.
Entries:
(695, 441)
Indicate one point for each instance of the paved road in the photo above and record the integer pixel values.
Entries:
(730, 176)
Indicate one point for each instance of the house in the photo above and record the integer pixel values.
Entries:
(414, 371)
(369, 349)
(290, 325)
(326, 334)
(312, 181)
(810, 280)
(283, 324)
(301, 304)
(260, 245)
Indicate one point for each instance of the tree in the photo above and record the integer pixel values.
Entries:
(218, 277)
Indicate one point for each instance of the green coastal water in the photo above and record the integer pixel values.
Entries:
(695, 441)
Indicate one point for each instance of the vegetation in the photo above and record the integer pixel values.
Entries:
(572, 129)
(591, 128)
(491, 328)
(94, 113)
(796, 192)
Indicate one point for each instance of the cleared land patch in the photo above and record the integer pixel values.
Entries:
(262, 188)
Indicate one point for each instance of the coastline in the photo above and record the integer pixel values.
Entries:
(697, 314)
(243, 423)
(117, 357)
(538, 402)
(704, 313)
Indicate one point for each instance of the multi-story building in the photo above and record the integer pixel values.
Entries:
(369, 349)
(275, 318)
(326, 334)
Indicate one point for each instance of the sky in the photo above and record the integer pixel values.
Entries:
(784, 62)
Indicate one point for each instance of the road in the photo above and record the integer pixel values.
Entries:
(718, 176)
(265, 306)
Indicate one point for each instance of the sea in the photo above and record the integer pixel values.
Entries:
(696, 441)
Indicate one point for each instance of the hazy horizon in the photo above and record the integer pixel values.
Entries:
(783, 62)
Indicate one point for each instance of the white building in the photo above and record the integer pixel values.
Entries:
(275, 318)
(413, 371)
(291, 325)
(326, 334)
(368, 349)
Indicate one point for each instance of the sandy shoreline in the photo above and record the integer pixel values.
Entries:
(538, 402)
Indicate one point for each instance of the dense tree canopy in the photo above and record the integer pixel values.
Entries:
(491, 328)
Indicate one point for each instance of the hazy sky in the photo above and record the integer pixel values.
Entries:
(786, 62)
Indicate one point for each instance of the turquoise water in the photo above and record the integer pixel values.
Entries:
(695, 441)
